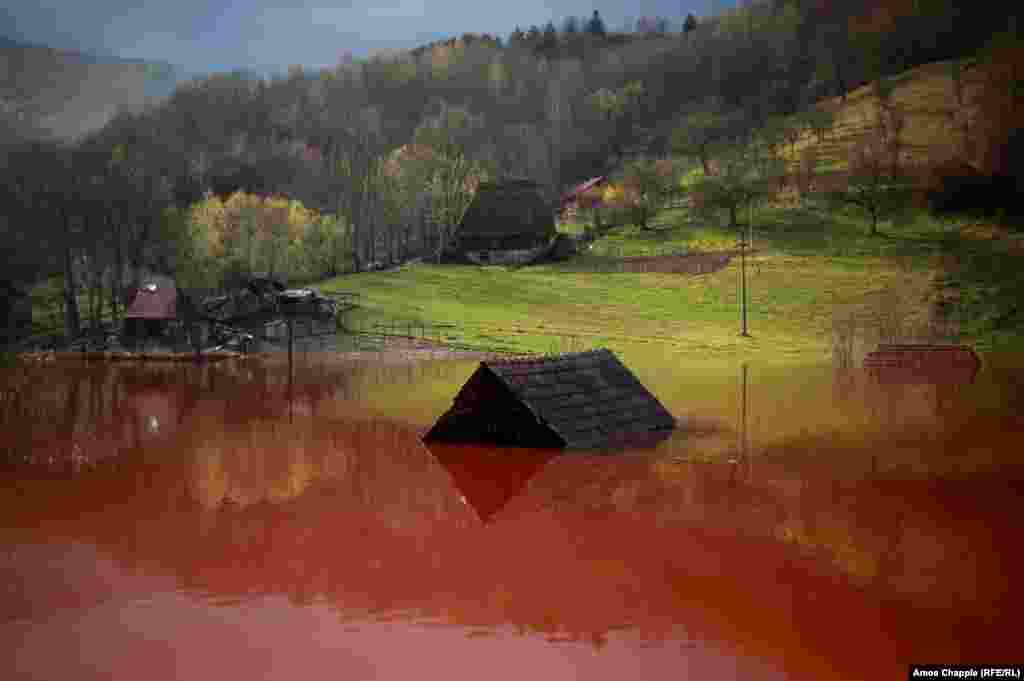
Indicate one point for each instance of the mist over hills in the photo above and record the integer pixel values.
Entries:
(64, 94)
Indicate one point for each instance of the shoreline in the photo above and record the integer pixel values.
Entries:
(394, 349)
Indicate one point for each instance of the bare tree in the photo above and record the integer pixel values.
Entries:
(873, 183)
(703, 133)
(452, 175)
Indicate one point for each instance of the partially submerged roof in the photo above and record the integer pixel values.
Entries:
(155, 299)
(922, 363)
(580, 400)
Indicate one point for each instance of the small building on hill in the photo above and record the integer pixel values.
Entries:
(583, 400)
(569, 202)
(508, 222)
(923, 363)
(153, 308)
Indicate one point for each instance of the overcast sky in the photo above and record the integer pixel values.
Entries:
(220, 35)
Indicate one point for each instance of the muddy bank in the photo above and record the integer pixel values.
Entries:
(357, 348)
(399, 349)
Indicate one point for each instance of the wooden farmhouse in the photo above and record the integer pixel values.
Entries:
(569, 203)
(508, 222)
(153, 309)
(582, 400)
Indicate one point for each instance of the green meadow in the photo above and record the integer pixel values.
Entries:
(806, 266)
(811, 266)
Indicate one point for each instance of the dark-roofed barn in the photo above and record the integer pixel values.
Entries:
(581, 401)
(508, 222)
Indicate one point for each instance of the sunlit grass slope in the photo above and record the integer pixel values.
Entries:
(926, 96)
(805, 265)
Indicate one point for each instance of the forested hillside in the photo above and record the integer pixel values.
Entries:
(392, 147)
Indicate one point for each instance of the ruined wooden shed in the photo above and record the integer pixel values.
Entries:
(154, 307)
(569, 202)
(580, 400)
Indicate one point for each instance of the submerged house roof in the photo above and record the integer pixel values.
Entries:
(155, 299)
(581, 400)
(951, 364)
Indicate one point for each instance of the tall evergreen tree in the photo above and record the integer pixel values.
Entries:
(571, 26)
(595, 26)
(549, 39)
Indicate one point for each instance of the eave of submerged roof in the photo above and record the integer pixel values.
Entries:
(584, 397)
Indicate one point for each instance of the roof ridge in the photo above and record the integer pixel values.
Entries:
(579, 397)
(544, 358)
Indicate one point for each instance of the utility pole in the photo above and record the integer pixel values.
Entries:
(745, 241)
(291, 370)
(743, 288)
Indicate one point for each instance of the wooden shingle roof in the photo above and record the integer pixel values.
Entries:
(585, 400)
(513, 206)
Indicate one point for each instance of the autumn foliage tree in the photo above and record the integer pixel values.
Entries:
(247, 234)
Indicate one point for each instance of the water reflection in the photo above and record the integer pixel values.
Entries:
(487, 478)
(339, 523)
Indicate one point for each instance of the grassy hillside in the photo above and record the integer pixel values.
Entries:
(812, 270)
(925, 94)
(802, 272)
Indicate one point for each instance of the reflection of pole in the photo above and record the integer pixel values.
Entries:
(291, 344)
(743, 413)
(746, 433)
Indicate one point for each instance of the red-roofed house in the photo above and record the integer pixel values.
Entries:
(570, 199)
(155, 305)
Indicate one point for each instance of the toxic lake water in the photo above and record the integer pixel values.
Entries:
(183, 522)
